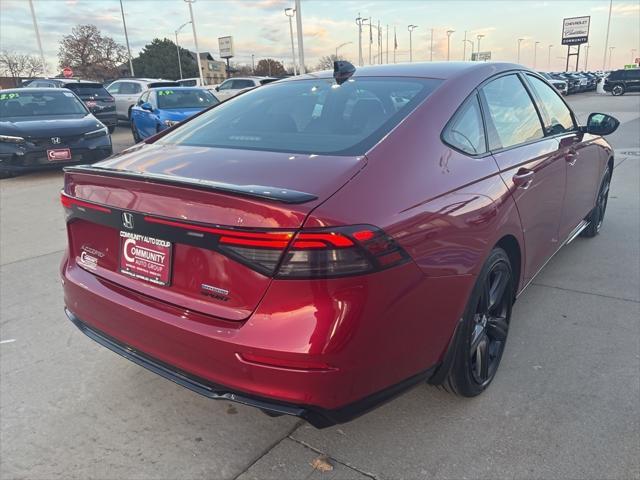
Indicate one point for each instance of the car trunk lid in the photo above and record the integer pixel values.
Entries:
(171, 222)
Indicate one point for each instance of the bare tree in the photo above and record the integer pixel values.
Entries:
(90, 54)
(326, 62)
(17, 65)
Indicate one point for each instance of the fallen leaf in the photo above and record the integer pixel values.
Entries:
(322, 464)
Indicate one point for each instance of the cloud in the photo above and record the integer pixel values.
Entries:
(620, 9)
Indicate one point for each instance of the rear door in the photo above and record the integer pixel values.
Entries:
(632, 79)
(581, 156)
(530, 164)
(225, 91)
(126, 95)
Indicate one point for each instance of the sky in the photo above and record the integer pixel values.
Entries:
(260, 27)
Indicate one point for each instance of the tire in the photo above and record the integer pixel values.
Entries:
(486, 324)
(134, 132)
(596, 216)
(112, 128)
(617, 90)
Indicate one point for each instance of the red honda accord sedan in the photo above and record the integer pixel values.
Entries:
(319, 244)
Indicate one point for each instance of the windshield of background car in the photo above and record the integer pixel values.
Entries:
(307, 116)
(88, 89)
(29, 104)
(175, 99)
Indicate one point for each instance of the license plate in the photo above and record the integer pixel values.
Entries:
(59, 154)
(145, 258)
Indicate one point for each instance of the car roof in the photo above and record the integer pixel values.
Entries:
(182, 88)
(437, 70)
(34, 90)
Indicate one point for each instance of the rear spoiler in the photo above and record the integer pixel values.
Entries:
(277, 194)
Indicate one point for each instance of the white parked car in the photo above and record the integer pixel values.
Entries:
(233, 86)
(126, 92)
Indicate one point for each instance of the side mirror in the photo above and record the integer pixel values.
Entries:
(217, 89)
(147, 106)
(601, 124)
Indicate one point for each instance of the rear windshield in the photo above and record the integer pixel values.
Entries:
(174, 98)
(27, 104)
(307, 116)
(88, 89)
(162, 84)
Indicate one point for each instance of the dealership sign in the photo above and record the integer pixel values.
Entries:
(225, 44)
(575, 30)
(480, 56)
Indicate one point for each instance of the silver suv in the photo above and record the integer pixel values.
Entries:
(126, 92)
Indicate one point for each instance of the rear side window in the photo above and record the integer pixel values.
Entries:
(238, 84)
(114, 88)
(511, 117)
(465, 131)
(314, 116)
(557, 116)
(130, 88)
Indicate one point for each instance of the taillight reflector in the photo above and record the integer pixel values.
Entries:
(284, 363)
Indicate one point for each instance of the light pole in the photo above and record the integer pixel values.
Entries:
(178, 47)
(290, 12)
(195, 41)
(431, 51)
(470, 42)
(606, 41)
(301, 66)
(586, 56)
(359, 21)
(253, 64)
(411, 28)
(35, 27)
(549, 59)
(633, 55)
(449, 32)
(340, 46)
(126, 37)
(464, 47)
(610, 55)
(520, 40)
(479, 37)
(535, 54)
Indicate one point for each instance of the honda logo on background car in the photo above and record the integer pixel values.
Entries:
(127, 220)
(55, 140)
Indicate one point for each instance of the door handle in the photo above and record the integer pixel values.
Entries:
(523, 178)
(571, 157)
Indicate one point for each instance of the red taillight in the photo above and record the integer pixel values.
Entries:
(288, 364)
(69, 202)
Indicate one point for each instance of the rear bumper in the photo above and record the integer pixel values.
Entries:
(34, 159)
(316, 416)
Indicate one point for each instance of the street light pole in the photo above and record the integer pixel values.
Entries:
(480, 36)
(359, 21)
(470, 42)
(290, 12)
(35, 27)
(301, 66)
(126, 37)
(178, 47)
(449, 32)
(195, 41)
(340, 46)
(549, 59)
(464, 47)
(535, 54)
(633, 55)
(411, 28)
(431, 51)
(520, 40)
(253, 64)
(606, 41)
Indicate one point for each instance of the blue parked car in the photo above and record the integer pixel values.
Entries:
(163, 107)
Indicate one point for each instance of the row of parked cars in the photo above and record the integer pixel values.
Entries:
(572, 82)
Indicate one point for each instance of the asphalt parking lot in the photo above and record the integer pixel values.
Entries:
(565, 403)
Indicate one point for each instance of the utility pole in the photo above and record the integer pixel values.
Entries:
(388, 43)
(395, 43)
(606, 41)
(253, 64)
(549, 59)
(480, 36)
(411, 28)
(370, 39)
(610, 55)
(126, 37)
(586, 56)
(300, 41)
(35, 27)
(195, 41)
(535, 54)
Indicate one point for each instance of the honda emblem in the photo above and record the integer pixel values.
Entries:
(127, 220)
(55, 140)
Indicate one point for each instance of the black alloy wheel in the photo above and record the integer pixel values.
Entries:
(617, 90)
(596, 217)
(481, 336)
